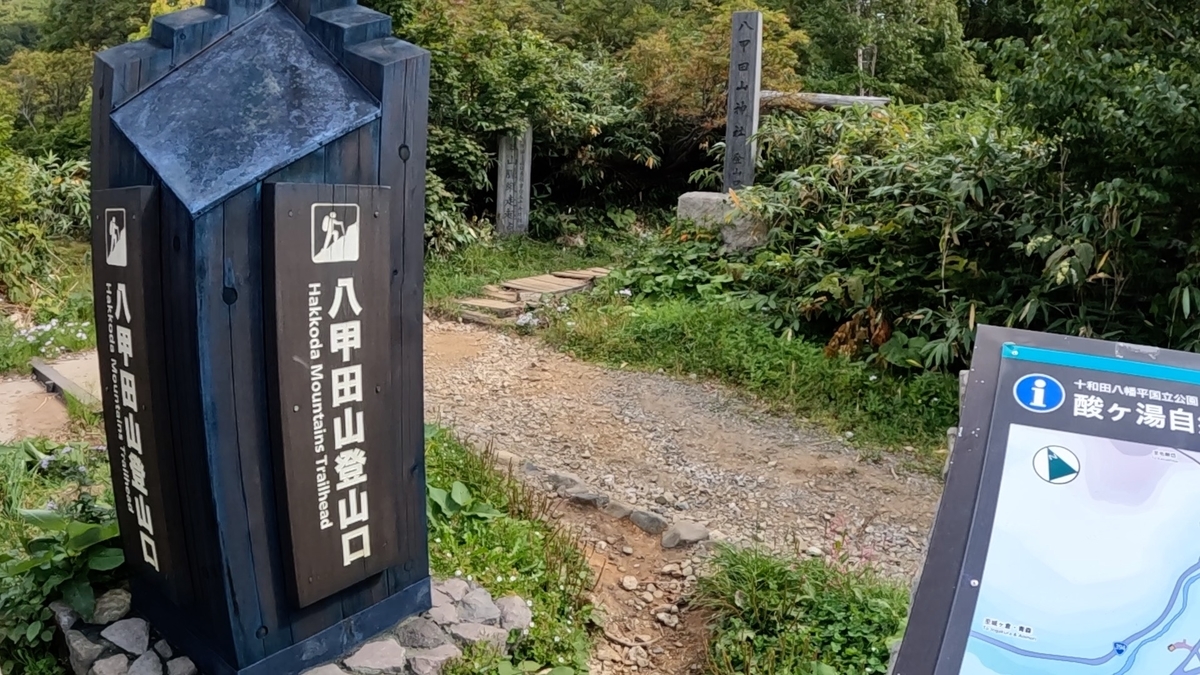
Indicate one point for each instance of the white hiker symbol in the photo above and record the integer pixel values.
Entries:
(335, 233)
(333, 229)
(117, 254)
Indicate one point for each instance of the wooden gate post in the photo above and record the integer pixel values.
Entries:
(258, 206)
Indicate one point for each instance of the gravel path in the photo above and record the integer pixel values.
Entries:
(688, 450)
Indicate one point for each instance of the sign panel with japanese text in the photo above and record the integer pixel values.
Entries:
(129, 342)
(514, 183)
(745, 87)
(1069, 525)
(329, 277)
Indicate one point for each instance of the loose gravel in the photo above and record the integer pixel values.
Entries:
(685, 449)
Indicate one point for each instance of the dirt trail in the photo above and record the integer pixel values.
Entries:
(689, 450)
(685, 449)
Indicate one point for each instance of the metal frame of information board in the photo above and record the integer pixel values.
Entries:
(943, 607)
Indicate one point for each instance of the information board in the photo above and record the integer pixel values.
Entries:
(328, 306)
(1068, 539)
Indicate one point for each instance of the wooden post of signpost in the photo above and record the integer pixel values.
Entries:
(259, 302)
(745, 85)
(513, 183)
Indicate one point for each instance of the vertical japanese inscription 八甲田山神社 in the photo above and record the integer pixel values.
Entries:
(745, 84)
(513, 186)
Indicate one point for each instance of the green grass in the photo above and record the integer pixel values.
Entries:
(467, 272)
(789, 616)
(59, 320)
(38, 473)
(905, 415)
(520, 553)
(82, 415)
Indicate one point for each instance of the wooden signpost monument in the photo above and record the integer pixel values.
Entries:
(258, 207)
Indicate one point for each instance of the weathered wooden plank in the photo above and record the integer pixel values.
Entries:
(499, 308)
(58, 383)
(348, 26)
(242, 294)
(547, 283)
(306, 9)
(580, 275)
(125, 242)
(209, 610)
(216, 348)
(498, 293)
(354, 159)
(187, 32)
(804, 100)
(238, 11)
(484, 319)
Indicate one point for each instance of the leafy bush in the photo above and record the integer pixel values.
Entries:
(918, 223)
(782, 616)
(488, 527)
(60, 193)
(76, 551)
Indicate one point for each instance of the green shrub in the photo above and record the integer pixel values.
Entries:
(488, 527)
(60, 194)
(76, 551)
(783, 616)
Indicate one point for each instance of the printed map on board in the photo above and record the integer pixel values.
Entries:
(1093, 561)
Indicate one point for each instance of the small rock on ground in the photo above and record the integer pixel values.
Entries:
(475, 633)
(629, 583)
(131, 635)
(64, 615)
(430, 661)
(515, 613)
(181, 666)
(455, 589)
(164, 650)
(112, 607)
(146, 664)
(617, 510)
(420, 633)
(684, 533)
(113, 665)
(650, 523)
(83, 651)
(379, 658)
(478, 607)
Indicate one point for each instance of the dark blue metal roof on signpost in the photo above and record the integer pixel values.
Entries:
(208, 142)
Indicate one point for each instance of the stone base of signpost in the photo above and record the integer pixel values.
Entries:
(715, 211)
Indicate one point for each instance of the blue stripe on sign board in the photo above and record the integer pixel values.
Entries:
(1106, 364)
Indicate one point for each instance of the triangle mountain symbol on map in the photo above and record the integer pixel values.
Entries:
(1059, 468)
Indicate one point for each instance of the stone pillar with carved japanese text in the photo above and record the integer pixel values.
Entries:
(745, 85)
(513, 183)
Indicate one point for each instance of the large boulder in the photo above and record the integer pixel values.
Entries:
(716, 211)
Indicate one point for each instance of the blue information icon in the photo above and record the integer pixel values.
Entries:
(1039, 393)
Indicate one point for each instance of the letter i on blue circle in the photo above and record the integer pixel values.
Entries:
(1039, 393)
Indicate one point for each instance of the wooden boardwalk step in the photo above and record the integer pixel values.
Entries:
(583, 275)
(548, 283)
(485, 319)
(498, 308)
(500, 294)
